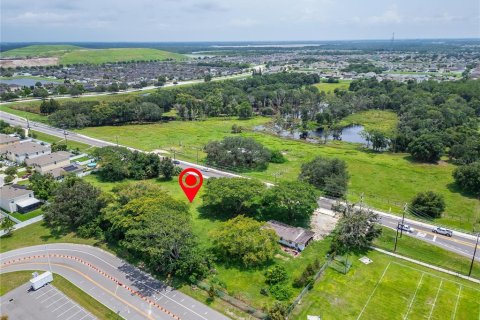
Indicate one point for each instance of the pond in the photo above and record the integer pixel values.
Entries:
(25, 81)
(347, 134)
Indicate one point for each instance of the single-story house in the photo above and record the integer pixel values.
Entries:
(6, 140)
(293, 237)
(49, 162)
(19, 152)
(17, 198)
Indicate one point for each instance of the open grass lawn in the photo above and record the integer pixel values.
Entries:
(32, 77)
(39, 51)
(390, 288)
(11, 280)
(388, 180)
(28, 215)
(38, 234)
(422, 251)
(330, 87)
(98, 56)
(382, 120)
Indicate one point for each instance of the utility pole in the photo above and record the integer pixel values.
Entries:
(116, 139)
(65, 135)
(473, 257)
(405, 207)
(396, 240)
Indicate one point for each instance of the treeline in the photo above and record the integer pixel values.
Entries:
(435, 118)
(265, 94)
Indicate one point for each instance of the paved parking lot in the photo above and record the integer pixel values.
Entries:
(46, 303)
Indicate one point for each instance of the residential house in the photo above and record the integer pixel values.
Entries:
(19, 152)
(6, 140)
(48, 162)
(17, 198)
(59, 173)
(293, 237)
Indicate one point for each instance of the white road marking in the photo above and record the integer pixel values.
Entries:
(414, 295)
(73, 314)
(50, 289)
(435, 301)
(456, 303)
(68, 301)
(421, 234)
(49, 298)
(434, 238)
(374, 289)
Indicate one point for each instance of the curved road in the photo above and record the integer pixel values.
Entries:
(115, 283)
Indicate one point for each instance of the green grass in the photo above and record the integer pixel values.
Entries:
(388, 180)
(28, 215)
(98, 56)
(330, 87)
(39, 51)
(37, 234)
(12, 280)
(425, 252)
(338, 296)
(70, 143)
(382, 120)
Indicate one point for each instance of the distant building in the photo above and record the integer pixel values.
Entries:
(19, 152)
(15, 198)
(6, 140)
(48, 162)
(293, 237)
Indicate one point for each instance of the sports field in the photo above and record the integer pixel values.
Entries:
(390, 288)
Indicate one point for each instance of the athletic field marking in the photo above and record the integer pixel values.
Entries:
(456, 303)
(435, 301)
(414, 295)
(374, 289)
(439, 277)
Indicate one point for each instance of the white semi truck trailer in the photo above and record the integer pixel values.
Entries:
(39, 280)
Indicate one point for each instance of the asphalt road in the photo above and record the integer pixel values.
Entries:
(460, 243)
(118, 285)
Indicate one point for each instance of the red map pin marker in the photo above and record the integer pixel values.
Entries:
(191, 181)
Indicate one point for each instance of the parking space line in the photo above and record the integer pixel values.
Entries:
(68, 301)
(51, 304)
(71, 316)
(48, 298)
(44, 293)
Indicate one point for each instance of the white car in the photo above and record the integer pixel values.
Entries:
(443, 231)
(405, 227)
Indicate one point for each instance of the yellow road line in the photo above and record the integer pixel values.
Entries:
(89, 279)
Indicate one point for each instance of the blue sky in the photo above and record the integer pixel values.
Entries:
(238, 20)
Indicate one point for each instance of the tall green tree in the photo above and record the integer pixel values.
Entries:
(329, 175)
(428, 203)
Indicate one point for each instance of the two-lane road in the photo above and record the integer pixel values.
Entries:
(118, 285)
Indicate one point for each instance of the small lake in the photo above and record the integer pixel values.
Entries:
(25, 81)
(348, 134)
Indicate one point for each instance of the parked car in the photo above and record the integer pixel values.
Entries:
(405, 227)
(443, 231)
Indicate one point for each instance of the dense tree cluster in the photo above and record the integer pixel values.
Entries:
(289, 202)
(467, 177)
(435, 118)
(329, 175)
(237, 153)
(44, 185)
(428, 204)
(118, 163)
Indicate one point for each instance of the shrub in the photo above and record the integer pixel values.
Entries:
(277, 157)
(8, 179)
(11, 171)
(276, 274)
(428, 203)
(467, 177)
(280, 292)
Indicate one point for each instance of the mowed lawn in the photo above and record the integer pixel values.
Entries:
(387, 180)
(39, 51)
(390, 288)
(98, 56)
(330, 87)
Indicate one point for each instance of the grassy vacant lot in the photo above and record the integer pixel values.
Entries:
(11, 280)
(39, 51)
(422, 251)
(382, 120)
(390, 288)
(388, 180)
(330, 87)
(98, 56)
(33, 78)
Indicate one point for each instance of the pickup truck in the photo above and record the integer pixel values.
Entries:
(443, 231)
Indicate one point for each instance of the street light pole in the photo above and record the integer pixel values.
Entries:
(396, 240)
(473, 257)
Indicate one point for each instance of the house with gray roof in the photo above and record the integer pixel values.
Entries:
(19, 152)
(293, 237)
(47, 162)
(17, 198)
(6, 140)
